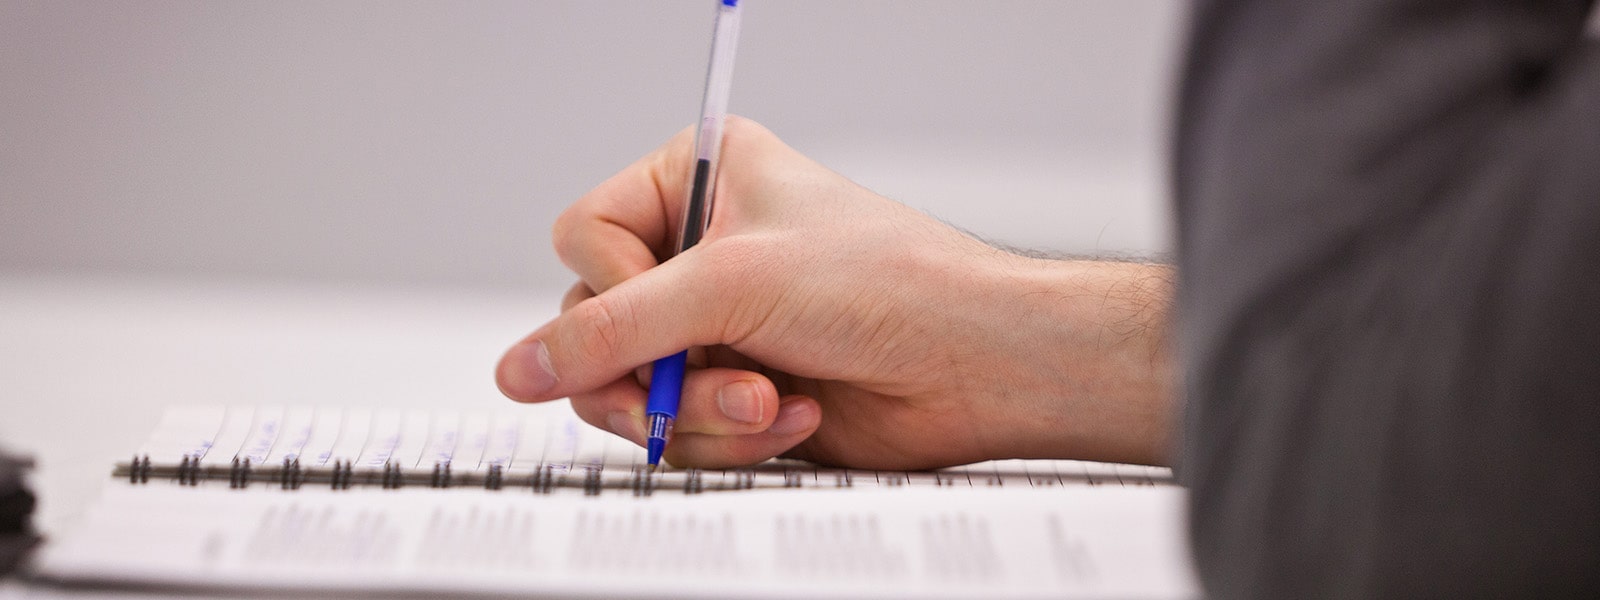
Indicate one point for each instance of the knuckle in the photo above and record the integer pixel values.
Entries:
(587, 407)
(743, 128)
(683, 139)
(564, 235)
(753, 158)
(577, 293)
(670, 158)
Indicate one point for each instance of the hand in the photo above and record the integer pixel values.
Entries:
(840, 327)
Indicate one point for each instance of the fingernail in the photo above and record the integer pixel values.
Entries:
(623, 424)
(794, 417)
(531, 374)
(740, 401)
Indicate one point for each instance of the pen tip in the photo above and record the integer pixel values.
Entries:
(650, 469)
(656, 447)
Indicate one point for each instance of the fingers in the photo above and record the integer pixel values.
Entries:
(680, 304)
(728, 417)
(630, 222)
(627, 224)
(718, 402)
(796, 418)
(577, 293)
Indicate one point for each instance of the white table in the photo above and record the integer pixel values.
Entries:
(88, 363)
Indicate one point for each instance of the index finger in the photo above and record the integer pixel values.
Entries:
(628, 223)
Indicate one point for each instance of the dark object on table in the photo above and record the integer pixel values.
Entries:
(16, 512)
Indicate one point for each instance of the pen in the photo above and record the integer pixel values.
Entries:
(666, 379)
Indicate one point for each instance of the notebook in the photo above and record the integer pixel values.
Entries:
(534, 501)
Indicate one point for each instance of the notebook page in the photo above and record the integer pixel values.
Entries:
(920, 542)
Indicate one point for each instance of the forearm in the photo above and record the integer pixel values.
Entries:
(1089, 365)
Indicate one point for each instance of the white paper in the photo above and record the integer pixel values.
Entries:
(1010, 528)
(930, 542)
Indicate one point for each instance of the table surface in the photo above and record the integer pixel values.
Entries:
(88, 363)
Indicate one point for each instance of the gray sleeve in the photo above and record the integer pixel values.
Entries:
(1389, 299)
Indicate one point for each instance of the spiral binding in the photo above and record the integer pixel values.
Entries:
(693, 481)
(239, 475)
(187, 470)
(139, 469)
(494, 478)
(343, 471)
(643, 482)
(441, 475)
(543, 479)
(291, 476)
(592, 479)
(392, 478)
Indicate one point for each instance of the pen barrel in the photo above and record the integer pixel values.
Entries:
(666, 385)
(719, 82)
(697, 206)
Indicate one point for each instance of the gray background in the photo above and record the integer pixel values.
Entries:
(434, 143)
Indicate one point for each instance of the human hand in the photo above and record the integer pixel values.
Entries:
(839, 326)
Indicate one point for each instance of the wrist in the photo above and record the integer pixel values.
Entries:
(1082, 363)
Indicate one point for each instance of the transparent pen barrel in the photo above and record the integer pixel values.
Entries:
(708, 134)
(719, 78)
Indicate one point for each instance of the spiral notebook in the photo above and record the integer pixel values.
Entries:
(534, 501)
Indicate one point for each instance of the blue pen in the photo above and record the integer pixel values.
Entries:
(666, 379)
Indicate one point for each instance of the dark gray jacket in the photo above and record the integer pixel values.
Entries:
(1389, 307)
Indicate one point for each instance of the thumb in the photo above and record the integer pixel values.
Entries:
(657, 313)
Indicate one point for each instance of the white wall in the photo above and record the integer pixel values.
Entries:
(435, 142)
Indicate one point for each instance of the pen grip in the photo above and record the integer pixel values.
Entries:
(666, 385)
